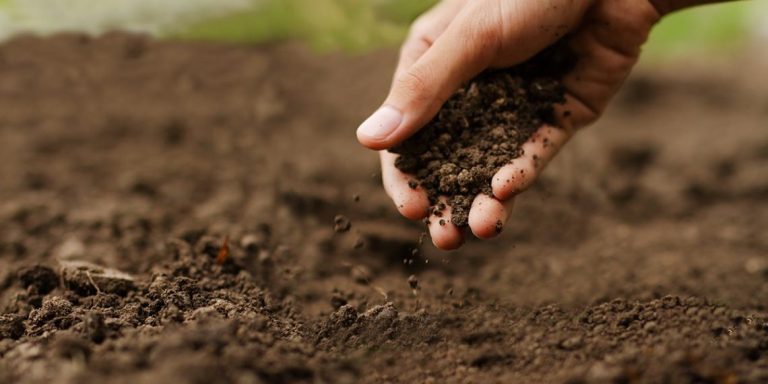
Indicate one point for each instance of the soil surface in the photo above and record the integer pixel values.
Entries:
(481, 128)
(186, 212)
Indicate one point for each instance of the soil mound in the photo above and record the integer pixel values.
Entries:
(195, 213)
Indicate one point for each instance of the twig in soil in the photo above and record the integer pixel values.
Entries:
(223, 254)
(90, 278)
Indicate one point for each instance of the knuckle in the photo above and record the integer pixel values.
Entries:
(413, 84)
(414, 46)
(483, 29)
(420, 27)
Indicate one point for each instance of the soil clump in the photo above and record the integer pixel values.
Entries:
(481, 128)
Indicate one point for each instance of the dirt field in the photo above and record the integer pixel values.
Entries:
(640, 257)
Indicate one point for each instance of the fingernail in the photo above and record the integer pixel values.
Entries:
(381, 124)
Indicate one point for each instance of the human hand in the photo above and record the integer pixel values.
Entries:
(458, 39)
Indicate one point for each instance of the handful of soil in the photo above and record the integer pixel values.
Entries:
(482, 127)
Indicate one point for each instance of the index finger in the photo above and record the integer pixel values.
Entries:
(425, 30)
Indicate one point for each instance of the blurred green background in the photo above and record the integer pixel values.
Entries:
(352, 25)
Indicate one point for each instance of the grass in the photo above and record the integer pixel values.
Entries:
(359, 25)
(352, 25)
(712, 28)
(326, 24)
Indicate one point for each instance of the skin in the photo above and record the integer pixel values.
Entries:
(458, 39)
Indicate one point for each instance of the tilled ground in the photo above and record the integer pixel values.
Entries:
(126, 165)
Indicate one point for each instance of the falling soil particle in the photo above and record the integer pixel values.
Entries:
(341, 224)
(481, 128)
(361, 274)
(359, 243)
(413, 281)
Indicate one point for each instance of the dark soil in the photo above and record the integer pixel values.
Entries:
(167, 214)
(481, 128)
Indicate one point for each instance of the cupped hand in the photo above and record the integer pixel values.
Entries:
(458, 39)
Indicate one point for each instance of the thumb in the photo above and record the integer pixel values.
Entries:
(418, 92)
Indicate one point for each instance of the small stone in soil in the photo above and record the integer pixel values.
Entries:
(359, 243)
(341, 224)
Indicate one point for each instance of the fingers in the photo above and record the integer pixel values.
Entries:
(411, 203)
(488, 216)
(444, 234)
(414, 204)
(425, 30)
(607, 52)
(519, 174)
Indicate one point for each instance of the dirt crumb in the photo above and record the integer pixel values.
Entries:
(53, 307)
(413, 281)
(341, 224)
